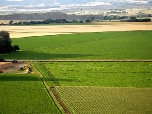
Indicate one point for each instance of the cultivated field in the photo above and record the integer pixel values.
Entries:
(24, 93)
(27, 31)
(104, 74)
(133, 45)
(103, 100)
(81, 87)
(101, 87)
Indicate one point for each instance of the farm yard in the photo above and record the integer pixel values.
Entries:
(89, 72)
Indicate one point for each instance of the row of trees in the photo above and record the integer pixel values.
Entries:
(5, 43)
(134, 19)
(126, 18)
(47, 21)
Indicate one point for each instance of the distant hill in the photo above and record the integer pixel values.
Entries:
(48, 15)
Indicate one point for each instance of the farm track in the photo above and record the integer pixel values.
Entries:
(56, 82)
(46, 85)
(53, 90)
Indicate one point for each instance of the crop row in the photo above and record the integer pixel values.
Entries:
(97, 100)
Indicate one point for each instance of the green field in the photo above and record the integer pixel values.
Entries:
(85, 87)
(24, 93)
(106, 45)
(103, 87)
(104, 74)
(99, 100)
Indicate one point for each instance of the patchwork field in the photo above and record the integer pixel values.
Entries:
(83, 87)
(101, 87)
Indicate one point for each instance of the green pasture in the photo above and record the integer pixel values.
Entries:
(99, 100)
(104, 74)
(24, 93)
(105, 45)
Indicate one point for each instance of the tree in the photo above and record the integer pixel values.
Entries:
(15, 47)
(5, 43)
(11, 22)
(2, 44)
(88, 21)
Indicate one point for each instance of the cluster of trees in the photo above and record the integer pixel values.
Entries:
(5, 43)
(47, 21)
(126, 18)
(134, 19)
(143, 15)
(114, 17)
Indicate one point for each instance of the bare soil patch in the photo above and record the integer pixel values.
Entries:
(9, 67)
(27, 31)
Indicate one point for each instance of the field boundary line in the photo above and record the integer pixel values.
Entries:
(103, 60)
(57, 97)
(51, 75)
(97, 61)
(47, 87)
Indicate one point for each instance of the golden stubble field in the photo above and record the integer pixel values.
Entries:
(27, 31)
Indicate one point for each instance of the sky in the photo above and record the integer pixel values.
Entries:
(38, 5)
(66, 2)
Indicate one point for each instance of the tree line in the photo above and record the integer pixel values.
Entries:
(5, 43)
(47, 21)
(134, 19)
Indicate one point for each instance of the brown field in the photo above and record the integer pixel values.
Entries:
(27, 31)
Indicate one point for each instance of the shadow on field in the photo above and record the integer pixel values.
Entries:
(47, 56)
(30, 78)
(36, 55)
(19, 78)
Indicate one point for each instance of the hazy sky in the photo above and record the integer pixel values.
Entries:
(66, 2)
